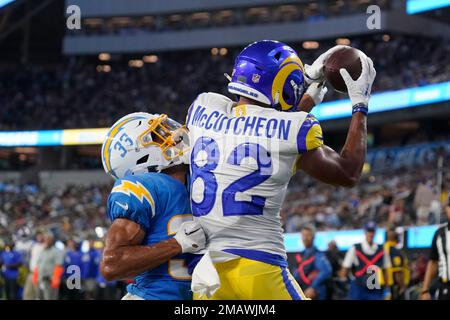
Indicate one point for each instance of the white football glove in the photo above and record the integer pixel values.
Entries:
(317, 92)
(191, 237)
(359, 89)
(314, 72)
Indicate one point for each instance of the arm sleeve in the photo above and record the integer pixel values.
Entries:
(309, 135)
(323, 265)
(130, 199)
(434, 255)
(349, 258)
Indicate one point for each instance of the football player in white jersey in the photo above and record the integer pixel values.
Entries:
(244, 154)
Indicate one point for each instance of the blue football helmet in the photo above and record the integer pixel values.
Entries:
(269, 72)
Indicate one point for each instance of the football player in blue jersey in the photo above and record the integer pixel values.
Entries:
(152, 236)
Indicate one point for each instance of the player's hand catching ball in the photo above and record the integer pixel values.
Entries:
(316, 91)
(312, 97)
(191, 237)
(359, 89)
(314, 72)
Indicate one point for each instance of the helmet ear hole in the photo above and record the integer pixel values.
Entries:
(277, 56)
(142, 160)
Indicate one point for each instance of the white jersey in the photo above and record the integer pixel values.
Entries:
(241, 162)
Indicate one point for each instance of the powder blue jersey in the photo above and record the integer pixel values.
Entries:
(159, 204)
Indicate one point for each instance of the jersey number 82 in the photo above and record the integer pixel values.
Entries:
(230, 206)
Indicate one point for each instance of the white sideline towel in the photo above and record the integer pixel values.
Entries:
(205, 279)
(130, 296)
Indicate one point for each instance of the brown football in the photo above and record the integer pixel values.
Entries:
(346, 58)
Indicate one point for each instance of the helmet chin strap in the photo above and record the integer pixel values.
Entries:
(276, 100)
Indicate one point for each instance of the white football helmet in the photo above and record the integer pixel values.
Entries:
(142, 142)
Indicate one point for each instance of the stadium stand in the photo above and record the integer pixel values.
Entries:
(76, 95)
(57, 189)
(309, 11)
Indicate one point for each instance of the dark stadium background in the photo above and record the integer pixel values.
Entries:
(156, 56)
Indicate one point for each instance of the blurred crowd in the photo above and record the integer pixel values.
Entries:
(72, 211)
(37, 266)
(52, 241)
(66, 225)
(400, 187)
(312, 11)
(74, 94)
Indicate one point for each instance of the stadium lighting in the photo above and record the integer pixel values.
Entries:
(383, 101)
(417, 6)
(343, 41)
(200, 16)
(150, 58)
(136, 63)
(5, 2)
(104, 56)
(388, 100)
(223, 51)
(214, 51)
(418, 237)
(310, 45)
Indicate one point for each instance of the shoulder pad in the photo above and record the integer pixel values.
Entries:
(213, 98)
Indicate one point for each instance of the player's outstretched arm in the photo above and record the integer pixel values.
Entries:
(345, 169)
(125, 257)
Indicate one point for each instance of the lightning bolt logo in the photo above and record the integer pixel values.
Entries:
(136, 189)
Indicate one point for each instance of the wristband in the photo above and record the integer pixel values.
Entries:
(360, 107)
